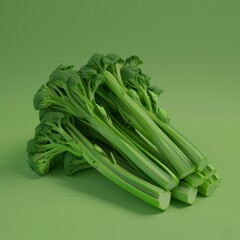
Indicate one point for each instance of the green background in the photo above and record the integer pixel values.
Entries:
(190, 49)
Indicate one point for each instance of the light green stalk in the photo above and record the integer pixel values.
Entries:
(184, 192)
(143, 123)
(208, 171)
(197, 157)
(207, 188)
(194, 179)
(146, 191)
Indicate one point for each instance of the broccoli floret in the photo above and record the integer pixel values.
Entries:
(50, 141)
(73, 164)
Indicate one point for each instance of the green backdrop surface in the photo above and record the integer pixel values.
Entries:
(190, 49)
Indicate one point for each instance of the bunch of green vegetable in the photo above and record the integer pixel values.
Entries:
(106, 116)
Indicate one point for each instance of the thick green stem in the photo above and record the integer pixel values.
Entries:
(194, 179)
(145, 148)
(137, 186)
(208, 171)
(130, 151)
(207, 188)
(184, 192)
(197, 157)
(146, 98)
(84, 111)
(174, 155)
(216, 179)
(149, 149)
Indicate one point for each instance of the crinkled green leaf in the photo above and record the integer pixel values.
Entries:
(53, 117)
(134, 95)
(87, 73)
(133, 61)
(97, 80)
(95, 62)
(63, 73)
(42, 98)
(154, 100)
(162, 115)
(31, 146)
(73, 164)
(155, 89)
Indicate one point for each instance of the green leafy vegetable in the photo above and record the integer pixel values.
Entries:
(107, 116)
